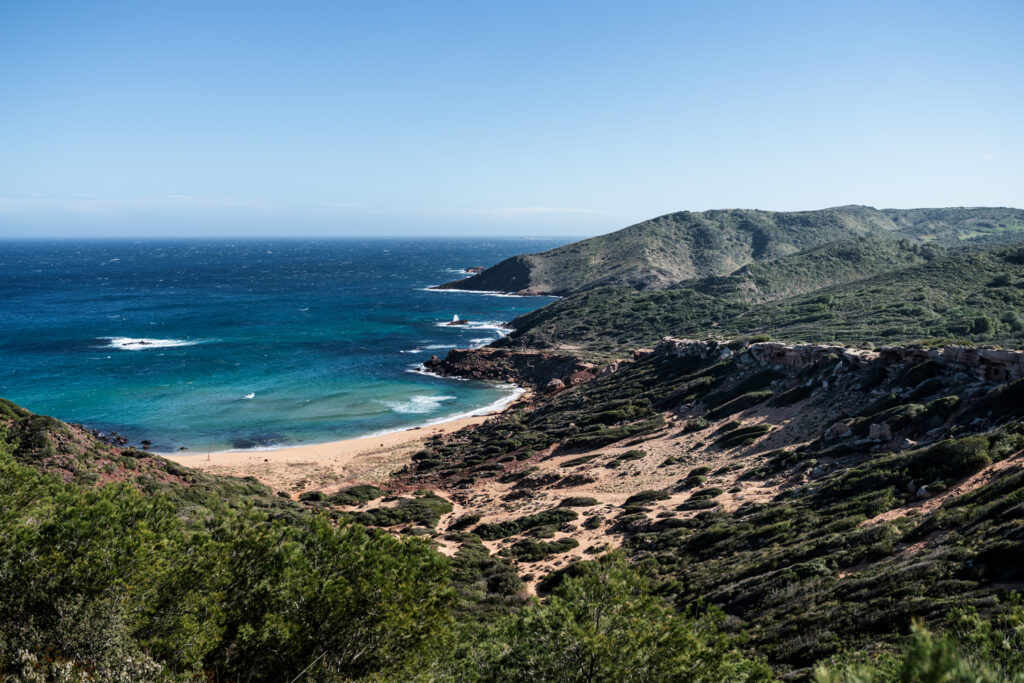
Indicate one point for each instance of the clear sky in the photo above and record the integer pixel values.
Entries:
(487, 118)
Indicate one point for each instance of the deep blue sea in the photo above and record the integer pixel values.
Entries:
(223, 344)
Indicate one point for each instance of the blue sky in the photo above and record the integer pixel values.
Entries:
(494, 118)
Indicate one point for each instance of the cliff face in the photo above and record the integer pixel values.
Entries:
(989, 365)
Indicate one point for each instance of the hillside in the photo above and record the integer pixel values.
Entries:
(848, 292)
(661, 252)
(822, 497)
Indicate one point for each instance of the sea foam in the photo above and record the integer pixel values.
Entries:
(419, 404)
(141, 343)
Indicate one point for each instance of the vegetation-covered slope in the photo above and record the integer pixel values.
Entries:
(117, 565)
(823, 499)
(660, 252)
(812, 296)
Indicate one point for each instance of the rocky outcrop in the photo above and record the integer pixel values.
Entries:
(511, 276)
(528, 368)
(990, 365)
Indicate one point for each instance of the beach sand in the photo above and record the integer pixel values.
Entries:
(323, 467)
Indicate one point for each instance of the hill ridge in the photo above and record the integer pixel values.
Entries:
(662, 251)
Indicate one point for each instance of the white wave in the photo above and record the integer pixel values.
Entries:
(421, 369)
(419, 404)
(503, 402)
(488, 292)
(248, 396)
(479, 325)
(482, 341)
(430, 347)
(140, 343)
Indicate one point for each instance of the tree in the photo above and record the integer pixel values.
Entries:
(605, 625)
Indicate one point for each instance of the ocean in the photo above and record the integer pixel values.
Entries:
(241, 344)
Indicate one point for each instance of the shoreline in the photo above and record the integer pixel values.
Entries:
(335, 464)
(492, 408)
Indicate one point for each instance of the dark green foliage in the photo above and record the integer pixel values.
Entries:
(492, 532)
(738, 404)
(424, 510)
(464, 522)
(529, 550)
(356, 495)
(583, 460)
(791, 396)
(116, 583)
(977, 655)
(603, 623)
(578, 502)
(696, 425)
(486, 583)
(744, 436)
(646, 497)
(697, 504)
(609, 435)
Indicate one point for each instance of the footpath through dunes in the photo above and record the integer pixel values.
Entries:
(658, 253)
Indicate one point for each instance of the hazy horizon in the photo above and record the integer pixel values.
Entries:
(454, 119)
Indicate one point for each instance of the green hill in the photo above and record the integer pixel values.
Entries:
(851, 293)
(661, 252)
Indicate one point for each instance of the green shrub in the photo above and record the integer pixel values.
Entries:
(464, 522)
(740, 403)
(356, 495)
(646, 497)
(578, 502)
(494, 531)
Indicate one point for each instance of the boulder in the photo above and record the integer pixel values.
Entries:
(554, 386)
(578, 378)
(882, 432)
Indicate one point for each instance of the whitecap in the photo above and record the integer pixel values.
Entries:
(479, 325)
(140, 343)
(248, 396)
(419, 404)
(488, 292)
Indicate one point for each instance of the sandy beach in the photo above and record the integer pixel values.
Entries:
(323, 467)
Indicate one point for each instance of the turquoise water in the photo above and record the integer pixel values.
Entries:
(245, 344)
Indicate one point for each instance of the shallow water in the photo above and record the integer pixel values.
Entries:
(245, 344)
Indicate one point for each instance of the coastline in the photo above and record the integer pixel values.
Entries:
(335, 464)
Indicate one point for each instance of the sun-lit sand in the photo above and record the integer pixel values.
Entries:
(325, 466)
